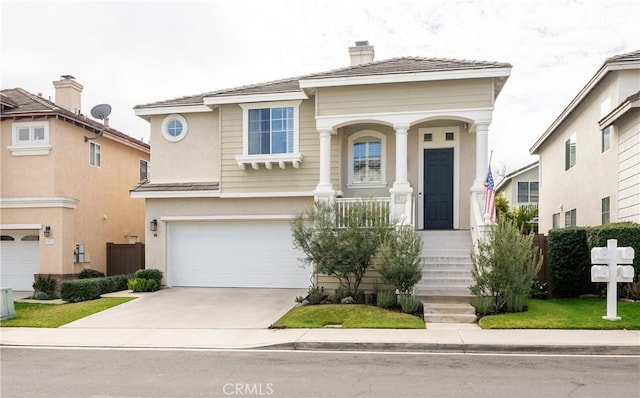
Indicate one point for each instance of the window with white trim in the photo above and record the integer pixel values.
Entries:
(570, 218)
(367, 159)
(174, 127)
(527, 192)
(94, 154)
(30, 138)
(606, 210)
(555, 220)
(144, 170)
(570, 147)
(606, 139)
(270, 134)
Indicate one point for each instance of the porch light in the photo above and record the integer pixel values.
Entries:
(47, 231)
(153, 225)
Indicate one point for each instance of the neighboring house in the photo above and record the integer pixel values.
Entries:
(63, 198)
(590, 155)
(520, 187)
(231, 167)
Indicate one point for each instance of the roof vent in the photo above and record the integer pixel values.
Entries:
(362, 53)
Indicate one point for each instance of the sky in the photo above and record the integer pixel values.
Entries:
(127, 53)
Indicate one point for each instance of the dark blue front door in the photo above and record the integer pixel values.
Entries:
(438, 188)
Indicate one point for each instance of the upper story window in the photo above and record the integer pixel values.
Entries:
(94, 154)
(555, 220)
(174, 127)
(570, 147)
(367, 159)
(528, 192)
(144, 170)
(30, 138)
(270, 135)
(606, 139)
(570, 218)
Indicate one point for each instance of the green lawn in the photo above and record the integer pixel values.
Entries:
(54, 315)
(584, 313)
(349, 316)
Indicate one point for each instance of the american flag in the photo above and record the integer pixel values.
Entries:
(490, 200)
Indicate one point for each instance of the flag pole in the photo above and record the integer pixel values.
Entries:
(490, 157)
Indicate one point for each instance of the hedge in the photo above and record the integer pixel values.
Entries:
(627, 234)
(76, 290)
(149, 273)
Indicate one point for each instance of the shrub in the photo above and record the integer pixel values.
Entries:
(627, 234)
(77, 290)
(38, 295)
(315, 295)
(632, 290)
(386, 299)
(44, 284)
(121, 282)
(409, 303)
(398, 259)
(569, 262)
(343, 252)
(143, 285)
(88, 273)
(504, 267)
(150, 273)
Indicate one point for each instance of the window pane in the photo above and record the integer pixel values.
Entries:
(174, 128)
(367, 160)
(38, 134)
(254, 143)
(606, 213)
(23, 134)
(279, 142)
(143, 170)
(606, 139)
(533, 192)
(523, 192)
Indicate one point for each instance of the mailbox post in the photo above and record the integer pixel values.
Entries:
(613, 272)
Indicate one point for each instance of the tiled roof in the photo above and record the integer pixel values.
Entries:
(628, 57)
(23, 103)
(385, 67)
(174, 187)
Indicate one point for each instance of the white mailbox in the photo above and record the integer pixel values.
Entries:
(625, 273)
(600, 255)
(599, 273)
(625, 255)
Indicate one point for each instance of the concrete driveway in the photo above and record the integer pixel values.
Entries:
(197, 308)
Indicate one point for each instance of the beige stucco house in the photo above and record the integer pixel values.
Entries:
(520, 187)
(231, 167)
(590, 155)
(63, 198)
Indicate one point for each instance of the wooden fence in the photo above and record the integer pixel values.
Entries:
(124, 258)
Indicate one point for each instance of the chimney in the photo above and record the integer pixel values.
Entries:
(362, 53)
(68, 93)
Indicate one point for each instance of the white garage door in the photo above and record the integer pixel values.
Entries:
(234, 254)
(18, 261)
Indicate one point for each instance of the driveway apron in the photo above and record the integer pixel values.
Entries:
(196, 308)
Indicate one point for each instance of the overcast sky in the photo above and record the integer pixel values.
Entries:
(128, 53)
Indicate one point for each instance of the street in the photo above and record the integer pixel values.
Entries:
(30, 372)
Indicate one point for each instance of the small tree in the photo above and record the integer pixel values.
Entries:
(504, 269)
(398, 258)
(346, 252)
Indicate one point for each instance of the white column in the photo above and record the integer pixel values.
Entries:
(324, 189)
(401, 203)
(482, 155)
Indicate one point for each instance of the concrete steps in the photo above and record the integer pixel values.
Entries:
(449, 313)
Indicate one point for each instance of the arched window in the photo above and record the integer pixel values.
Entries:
(6, 237)
(30, 238)
(367, 159)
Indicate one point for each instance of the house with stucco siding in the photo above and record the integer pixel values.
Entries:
(233, 166)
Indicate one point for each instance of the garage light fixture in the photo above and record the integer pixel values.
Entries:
(47, 231)
(153, 225)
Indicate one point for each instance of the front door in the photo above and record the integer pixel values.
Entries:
(438, 188)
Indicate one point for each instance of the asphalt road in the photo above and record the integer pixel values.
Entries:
(29, 372)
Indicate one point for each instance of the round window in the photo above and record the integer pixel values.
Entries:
(174, 127)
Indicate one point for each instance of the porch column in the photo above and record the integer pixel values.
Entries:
(401, 203)
(324, 189)
(482, 155)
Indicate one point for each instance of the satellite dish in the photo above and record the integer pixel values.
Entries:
(101, 111)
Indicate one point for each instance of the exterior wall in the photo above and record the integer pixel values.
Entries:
(198, 151)
(209, 209)
(302, 180)
(510, 188)
(104, 212)
(583, 186)
(414, 96)
(628, 128)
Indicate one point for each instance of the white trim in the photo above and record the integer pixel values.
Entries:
(20, 226)
(266, 194)
(439, 144)
(383, 159)
(236, 217)
(174, 194)
(280, 159)
(247, 98)
(95, 155)
(405, 77)
(35, 150)
(167, 120)
(172, 109)
(32, 202)
(31, 147)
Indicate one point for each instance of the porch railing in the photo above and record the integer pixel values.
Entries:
(379, 207)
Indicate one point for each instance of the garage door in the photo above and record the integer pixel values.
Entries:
(234, 254)
(18, 261)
